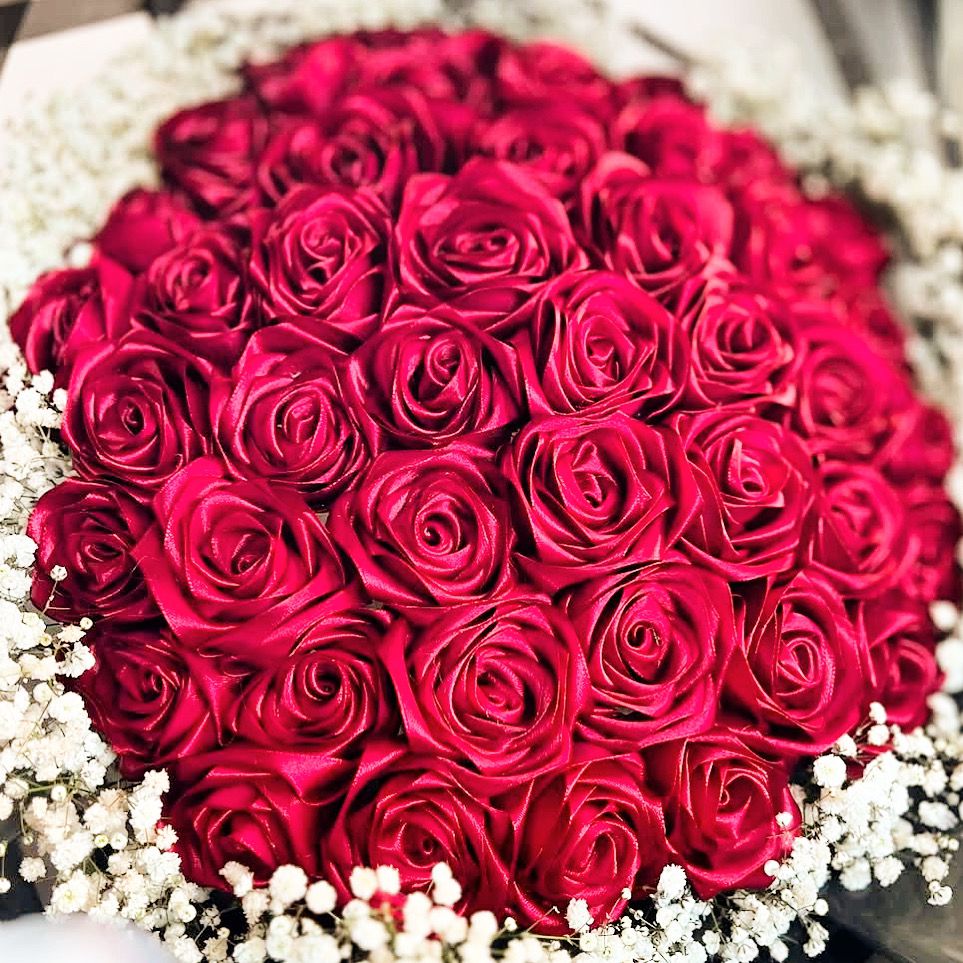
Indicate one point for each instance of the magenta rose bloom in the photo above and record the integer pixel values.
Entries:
(534, 73)
(555, 141)
(321, 256)
(597, 344)
(262, 808)
(376, 139)
(196, 294)
(153, 700)
(223, 553)
(142, 226)
(720, 801)
(137, 410)
(327, 692)
(428, 379)
(745, 345)
(660, 233)
(66, 311)
(935, 527)
(283, 415)
(862, 542)
(485, 240)
(90, 529)
(587, 832)
(495, 686)
(412, 812)
(850, 402)
(757, 483)
(657, 639)
(591, 495)
(209, 153)
(427, 529)
(802, 674)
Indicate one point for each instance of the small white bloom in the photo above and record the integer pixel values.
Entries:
(363, 882)
(321, 897)
(288, 884)
(829, 772)
(578, 916)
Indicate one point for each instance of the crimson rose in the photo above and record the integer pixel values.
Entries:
(802, 675)
(427, 379)
(592, 493)
(321, 256)
(142, 226)
(196, 293)
(224, 552)
(154, 701)
(66, 311)
(597, 344)
(485, 239)
(283, 416)
(587, 832)
(494, 685)
(411, 812)
(326, 691)
(90, 529)
(657, 639)
(137, 410)
(427, 529)
(263, 808)
(758, 484)
(720, 801)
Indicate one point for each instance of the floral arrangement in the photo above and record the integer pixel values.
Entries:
(470, 507)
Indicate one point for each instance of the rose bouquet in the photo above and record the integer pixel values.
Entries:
(466, 474)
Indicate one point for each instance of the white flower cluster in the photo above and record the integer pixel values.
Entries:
(100, 842)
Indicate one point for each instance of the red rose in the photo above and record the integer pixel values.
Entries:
(850, 401)
(223, 553)
(862, 540)
(588, 832)
(90, 529)
(935, 527)
(804, 248)
(902, 645)
(494, 685)
(68, 310)
(597, 344)
(657, 639)
(196, 294)
(745, 345)
(376, 139)
(209, 153)
(137, 410)
(326, 691)
(594, 494)
(308, 78)
(720, 801)
(757, 483)
(672, 136)
(426, 529)
(486, 239)
(412, 812)
(802, 675)
(154, 701)
(660, 233)
(282, 416)
(922, 449)
(262, 808)
(536, 72)
(443, 67)
(321, 256)
(427, 379)
(142, 226)
(555, 141)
